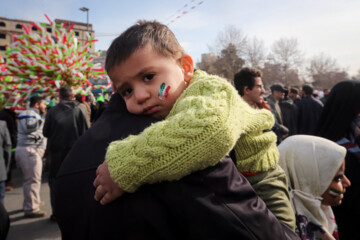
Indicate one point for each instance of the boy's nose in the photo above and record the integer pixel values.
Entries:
(141, 95)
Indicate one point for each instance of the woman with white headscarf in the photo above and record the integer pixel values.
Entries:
(315, 169)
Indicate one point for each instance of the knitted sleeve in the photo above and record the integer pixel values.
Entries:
(202, 127)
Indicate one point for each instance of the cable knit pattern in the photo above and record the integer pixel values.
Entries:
(202, 127)
(257, 151)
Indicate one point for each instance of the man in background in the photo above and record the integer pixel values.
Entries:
(5, 154)
(250, 86)
(84, 105)
(30, 150)
(9, 116)
(309, 111)
(326, 93)
(64, 124)
(289, 111)
(294, 95)
(278, 93)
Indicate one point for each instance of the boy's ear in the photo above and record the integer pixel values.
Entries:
(187, 65)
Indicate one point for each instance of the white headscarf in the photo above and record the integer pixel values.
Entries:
(310, 164)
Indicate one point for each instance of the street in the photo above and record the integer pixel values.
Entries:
(29, 228)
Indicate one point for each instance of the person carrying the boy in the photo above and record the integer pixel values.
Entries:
(203, 117)
(214, 203)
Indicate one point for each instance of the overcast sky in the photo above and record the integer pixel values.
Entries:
(321, 26)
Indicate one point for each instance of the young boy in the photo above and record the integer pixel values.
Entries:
(203, 117)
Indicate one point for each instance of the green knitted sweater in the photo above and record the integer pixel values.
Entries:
(203, 126)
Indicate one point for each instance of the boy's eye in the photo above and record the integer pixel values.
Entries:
(148, 77)
(126, 92)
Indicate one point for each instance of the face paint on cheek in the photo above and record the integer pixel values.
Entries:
(334, 192)
(164, 91)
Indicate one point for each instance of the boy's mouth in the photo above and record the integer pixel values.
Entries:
(150, 110)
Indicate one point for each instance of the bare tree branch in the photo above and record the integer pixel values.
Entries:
(255, 53)
(230, 35)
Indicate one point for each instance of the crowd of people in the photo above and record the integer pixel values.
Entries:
(180, 154)
(37, 135)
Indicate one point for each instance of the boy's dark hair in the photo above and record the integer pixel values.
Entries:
(65, 93)
(161, 38)
(308, 90)
(246, 77)
(34, 100)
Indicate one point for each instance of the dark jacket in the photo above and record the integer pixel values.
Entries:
(64, 124)
(215, 203)
(5, 151)
(9, 117)
(4, 222)
(347, 215)
(276, 110)
(289, 112)
(309, 110)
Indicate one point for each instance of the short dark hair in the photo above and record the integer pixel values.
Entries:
(34, 100)
(294, 90)
(246, 77)
(139, 35)
(88, 98)
(307, 89)
(65, 93)
(79, 97)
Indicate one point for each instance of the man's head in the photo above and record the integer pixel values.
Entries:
(278, 91)
(148, 68)
(79, 98)
(38, 103)
(65, 93)
(250, 86)
(307, 90)
(326, 91)
(293, 93)
(89, 99)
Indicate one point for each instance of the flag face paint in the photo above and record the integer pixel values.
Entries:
(164, 91)
(334, 192)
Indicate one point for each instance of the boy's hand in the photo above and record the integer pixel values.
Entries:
(106, 189)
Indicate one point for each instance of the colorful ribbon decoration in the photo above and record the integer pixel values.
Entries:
(42, 62)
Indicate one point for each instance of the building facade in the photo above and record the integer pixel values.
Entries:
(9, 27)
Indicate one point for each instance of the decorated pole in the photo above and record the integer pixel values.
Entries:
(42, 62)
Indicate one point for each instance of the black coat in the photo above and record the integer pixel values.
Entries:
(290, 115)
(9, 117)
(64, 124)
(309, 110)
(216, 203)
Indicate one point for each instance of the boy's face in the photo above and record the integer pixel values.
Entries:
(150, 83)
